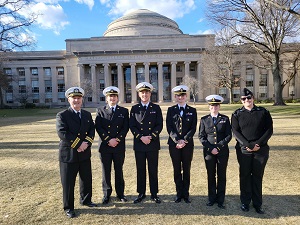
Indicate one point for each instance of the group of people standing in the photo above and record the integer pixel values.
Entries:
(251, 125)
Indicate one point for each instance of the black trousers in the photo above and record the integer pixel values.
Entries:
(216, 165)
(68, 173)
(252, 167)
(118, 160)
(181, 159)
(152, 159)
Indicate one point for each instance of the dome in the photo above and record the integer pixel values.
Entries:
(140, 23)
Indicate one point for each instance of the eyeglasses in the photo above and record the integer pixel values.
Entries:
(248, 97)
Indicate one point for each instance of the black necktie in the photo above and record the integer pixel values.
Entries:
(214, 120)
(145, 107)
(181, 109)
(78, 114)
(112, 110)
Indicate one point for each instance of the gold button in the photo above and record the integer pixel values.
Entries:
(108, 132)
(141, 122)
(142, 129)
(149, 122)
(117, 126)
(149, 128)
(108, 125)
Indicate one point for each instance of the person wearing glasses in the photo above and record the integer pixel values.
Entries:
(181, 126)
(112, 125)
(215, 134)
(252, 127)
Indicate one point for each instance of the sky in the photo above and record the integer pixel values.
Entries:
(67, 19)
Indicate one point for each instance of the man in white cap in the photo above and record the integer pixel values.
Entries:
(181, 126)
(252, 127)
(112, 125)
(146, 123)
(215, 134)
(76, 130)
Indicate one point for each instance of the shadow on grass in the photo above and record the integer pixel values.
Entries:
(275, 206)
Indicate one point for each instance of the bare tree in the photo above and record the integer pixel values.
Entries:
(261, 24)
(286, 7)
(193, 84)
(14, 25)
(4, 84)
(220, 62)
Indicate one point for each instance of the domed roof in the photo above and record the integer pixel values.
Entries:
(140, 23)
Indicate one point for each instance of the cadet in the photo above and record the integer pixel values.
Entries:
(252, 127)
(146, 123)
(181, 126)
(215, 134)
(76, 130)
(112, 125)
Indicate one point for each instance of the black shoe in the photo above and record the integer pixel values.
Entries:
(177, 200)
(245, 207)
(221, 206)
(90, 204)
(156, 199)
(122, 198)
(187, 200)
(209, 203)
(139, 198)
(105, 200)
(259, 210)
(70, 213)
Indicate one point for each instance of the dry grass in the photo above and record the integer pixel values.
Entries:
(31, 190)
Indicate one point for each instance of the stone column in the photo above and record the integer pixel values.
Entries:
(28, 81)
(147, 78)
(200, 80)
(41, 85)
(54, 85)
(133, 83)
(187, 68)
(160, 82)
(107, 75)
(95, 98)
(121, 82)
(80, 73)
(173, 78)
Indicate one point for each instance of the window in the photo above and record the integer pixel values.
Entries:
(22, 87)
(178, 80)
(178, 68)
(48, 86)
(249, 83)
(21, 72)
(9, 89)
(9, 98)
(90, 99)
(7, 71)
(47, 71)
(61, 87)
(34, 71)
(60, 71)
(35, 86)
(192, 68)
(48, 100)
(102, 85)
(263, 80)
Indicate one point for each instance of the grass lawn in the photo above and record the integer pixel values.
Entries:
(31, 192)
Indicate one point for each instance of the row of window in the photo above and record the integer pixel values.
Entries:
(34, 71)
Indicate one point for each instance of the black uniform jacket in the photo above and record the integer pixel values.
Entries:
(149, 123)
(181, 128)
(72, 132)
(110, 126)
(252, 127)
(215, 135)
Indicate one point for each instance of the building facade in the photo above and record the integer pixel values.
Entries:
(140, 46)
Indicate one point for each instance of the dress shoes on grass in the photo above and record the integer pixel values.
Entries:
(245, 207)
(105, 200)
(122, 198)
(139, 198)
(155, 199)
(70, 213)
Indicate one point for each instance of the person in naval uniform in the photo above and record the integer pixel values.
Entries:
(76, 130)
(146, 123)
(181, 124)
(215, 134)
(112, 125)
